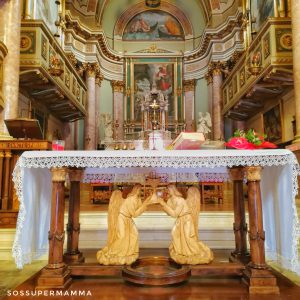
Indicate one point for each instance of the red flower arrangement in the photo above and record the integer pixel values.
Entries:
(248, 141)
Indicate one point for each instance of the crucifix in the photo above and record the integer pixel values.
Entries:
(155, 106)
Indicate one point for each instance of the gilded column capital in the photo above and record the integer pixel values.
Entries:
(99, 78)
(253, 173)
(58, 174)
(209, 78)
(236, 173)
(118, 86)
(189, 85)
(8, 154)
(91, 69)
(75, 174)
(215, 68)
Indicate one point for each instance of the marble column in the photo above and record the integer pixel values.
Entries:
(90, 119)
(209, 80)
(99, 79)
(67, 133)
(189, 104)
(217, 118)
(295, 8)
(10, 24)
(118, 107)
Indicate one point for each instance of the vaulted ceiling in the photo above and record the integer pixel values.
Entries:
(105, 13)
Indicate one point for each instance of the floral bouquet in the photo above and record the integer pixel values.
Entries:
(248, 140)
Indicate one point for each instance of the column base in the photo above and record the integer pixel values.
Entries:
(54, 278)
(260, 281)
(74, 258)
(240, 257)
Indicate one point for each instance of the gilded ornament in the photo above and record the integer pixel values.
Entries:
(58, 174)
(118, 86)
(189, 85)
(253, 173)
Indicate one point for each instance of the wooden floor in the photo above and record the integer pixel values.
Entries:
(196, 288)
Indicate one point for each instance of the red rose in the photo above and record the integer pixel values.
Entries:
(266, 144)
(239, 143)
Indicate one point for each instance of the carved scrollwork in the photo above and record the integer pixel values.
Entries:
(56, 236)
(257, 236)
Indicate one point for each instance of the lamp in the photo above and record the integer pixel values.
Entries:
(152, 3)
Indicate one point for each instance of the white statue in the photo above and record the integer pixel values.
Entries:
(204, 123)
(106, 120)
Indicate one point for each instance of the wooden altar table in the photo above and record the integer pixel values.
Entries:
(271, 208)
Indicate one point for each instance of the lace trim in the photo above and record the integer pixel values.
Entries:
(172, 161)
(164, 177)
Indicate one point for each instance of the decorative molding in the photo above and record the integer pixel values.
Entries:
(118, 86)
(75, 174)
(237, 173)
(92, 69)
(58, 174)
(217, 35)
(189, 85)
(253, 173)
(153, 49)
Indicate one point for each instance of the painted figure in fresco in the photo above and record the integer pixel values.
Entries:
(140, 25)
(172, 27)
(122, 246)
(162, 79)
(185, 247)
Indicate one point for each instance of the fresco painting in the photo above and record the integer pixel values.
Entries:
(261, 10)
(153, 25)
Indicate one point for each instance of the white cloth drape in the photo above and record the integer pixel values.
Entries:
(279, 187)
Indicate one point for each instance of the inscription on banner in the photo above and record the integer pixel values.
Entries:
(24, 145)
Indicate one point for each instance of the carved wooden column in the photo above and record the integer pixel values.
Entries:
(90, 119)
(56, 274)
(295, 9)
(189, 104)
(217, 118)
(1, 176)
(118, 107)
(257, 275)
(239, 225)
(73, 227)
(7, 177)
(98, 81)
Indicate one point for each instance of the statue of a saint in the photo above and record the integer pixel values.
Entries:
(106, 120)
(185, 247)
(204, 123)
(122, 243)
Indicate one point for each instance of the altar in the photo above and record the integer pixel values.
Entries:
(271, 176)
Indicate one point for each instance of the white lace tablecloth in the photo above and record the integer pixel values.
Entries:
(32, 179)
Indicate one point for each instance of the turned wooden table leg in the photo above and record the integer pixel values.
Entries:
(73, 255)
(6, 176)
(257, 275)
(1, 176)
(56, 274)
(239, 225)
